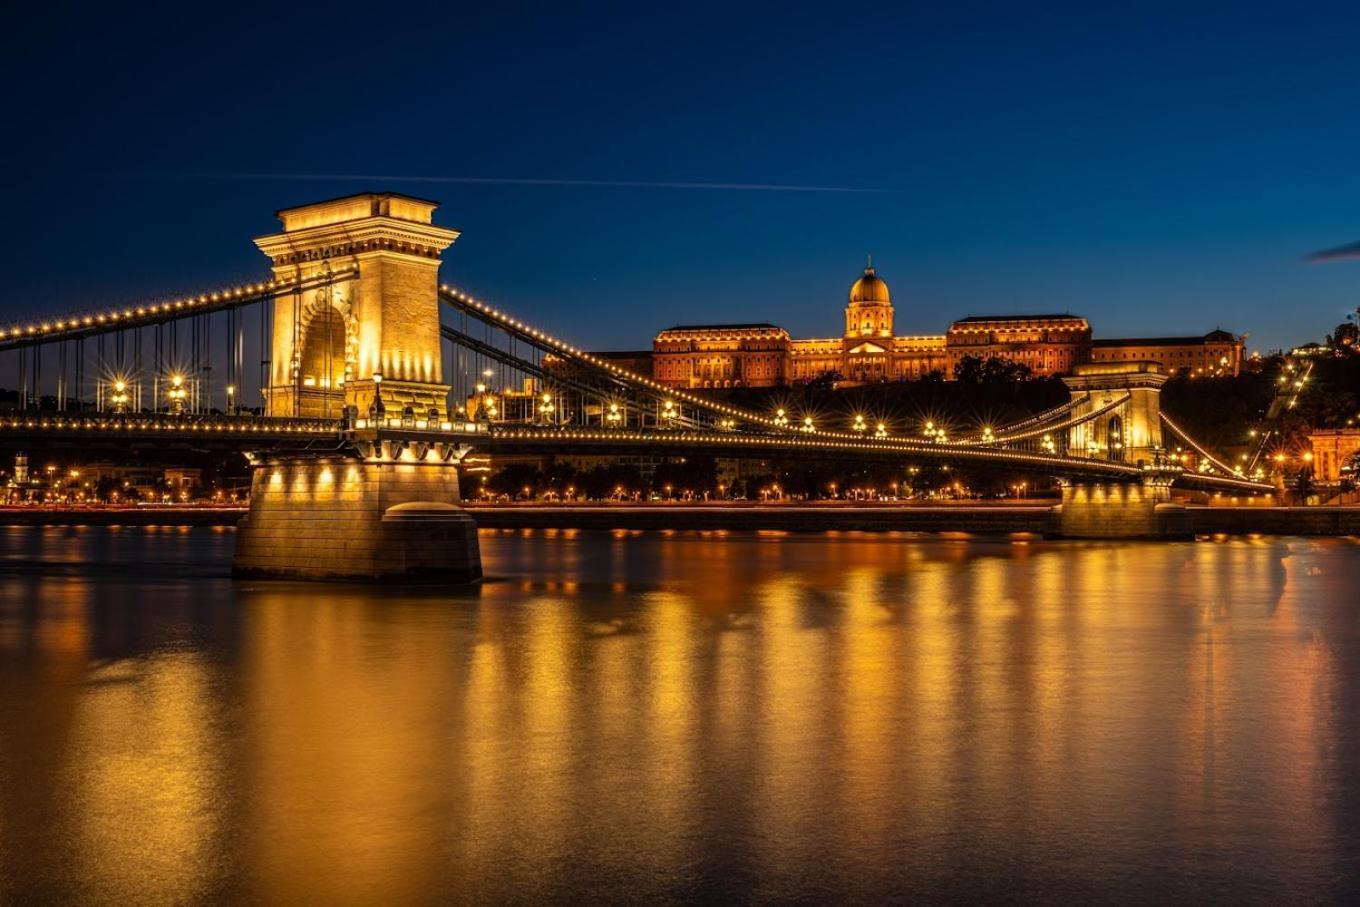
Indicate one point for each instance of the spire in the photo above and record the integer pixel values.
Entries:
(868, 264)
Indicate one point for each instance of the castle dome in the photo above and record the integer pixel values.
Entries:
(870, 288)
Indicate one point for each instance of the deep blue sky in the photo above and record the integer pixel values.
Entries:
(1158, 169)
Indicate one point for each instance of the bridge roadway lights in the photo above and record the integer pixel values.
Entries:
(379, 514)
(1123, 510)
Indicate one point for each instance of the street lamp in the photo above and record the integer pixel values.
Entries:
(614, 417)
(376, 411)
(781, 420)
(177, 394)
(807, 424)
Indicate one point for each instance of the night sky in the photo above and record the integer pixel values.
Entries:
(1157, 169)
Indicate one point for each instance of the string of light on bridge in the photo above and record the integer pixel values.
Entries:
(126, 316)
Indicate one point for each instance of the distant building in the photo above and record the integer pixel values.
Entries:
(1217, 353)
(1333, 451)
(720, 355)
(1048, 344)
(761, 354)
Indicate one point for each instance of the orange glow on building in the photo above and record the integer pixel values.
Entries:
(761, 354)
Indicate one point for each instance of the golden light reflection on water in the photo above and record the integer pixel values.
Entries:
(634, 716)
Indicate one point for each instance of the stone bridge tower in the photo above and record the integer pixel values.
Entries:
(1129, 433)
(382, 504)
(369, 318)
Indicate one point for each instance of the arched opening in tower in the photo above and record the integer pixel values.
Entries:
(323, 364)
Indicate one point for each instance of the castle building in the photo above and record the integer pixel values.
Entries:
(721, 355)
(870, 351)
(1217, 353)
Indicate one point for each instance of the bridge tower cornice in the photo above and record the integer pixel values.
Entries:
(377, 235)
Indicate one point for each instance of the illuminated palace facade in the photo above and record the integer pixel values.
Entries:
(870, 351)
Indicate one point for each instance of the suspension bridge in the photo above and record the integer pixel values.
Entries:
(368, 383)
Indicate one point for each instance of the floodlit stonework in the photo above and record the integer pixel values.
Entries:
(377, 321)
(1115, 510)
(363, 336)
(365, 520)
(1334, 450)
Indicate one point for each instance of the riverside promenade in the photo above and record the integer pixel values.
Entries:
(1035, 517)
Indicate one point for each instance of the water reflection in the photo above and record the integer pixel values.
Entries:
(682, 716)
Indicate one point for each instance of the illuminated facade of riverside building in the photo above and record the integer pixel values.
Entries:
(870, 351)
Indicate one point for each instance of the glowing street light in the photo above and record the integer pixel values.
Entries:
(614, 417)
(781, 419)
(807, 424)
(120, 396)
(177, 393)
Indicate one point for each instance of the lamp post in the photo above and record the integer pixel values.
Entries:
(120, 396)
(177, 394)
(376, 410)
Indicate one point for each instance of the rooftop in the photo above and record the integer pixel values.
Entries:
(976, 319)
(737, 326)
(355, 206)
(1211, 337)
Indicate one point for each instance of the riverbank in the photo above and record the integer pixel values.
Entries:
(121, 516)
(1026, 517)
(1037, 517)
(843, 517)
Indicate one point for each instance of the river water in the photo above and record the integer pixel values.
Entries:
(646, 717)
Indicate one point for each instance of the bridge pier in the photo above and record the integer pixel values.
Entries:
(1123, 510)
(366, 518)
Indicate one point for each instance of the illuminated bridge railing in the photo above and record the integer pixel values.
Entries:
(182, 356)
(148, 314)
(34, 425)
